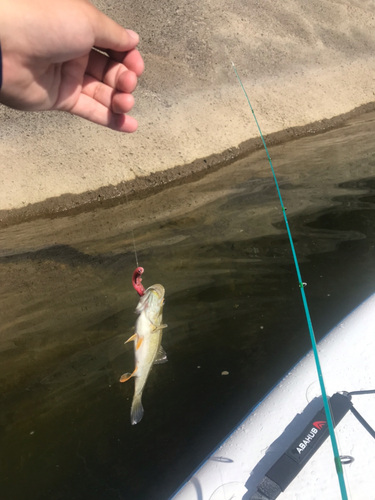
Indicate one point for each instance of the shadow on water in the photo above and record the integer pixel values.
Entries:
(233, 306)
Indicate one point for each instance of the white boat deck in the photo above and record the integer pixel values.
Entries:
(347, 356)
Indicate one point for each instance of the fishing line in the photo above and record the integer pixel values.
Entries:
(302, 285)
(128, 204)
(135, 250)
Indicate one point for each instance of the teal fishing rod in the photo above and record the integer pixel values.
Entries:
(302, 285)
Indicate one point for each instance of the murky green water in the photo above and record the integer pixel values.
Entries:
(233, 304)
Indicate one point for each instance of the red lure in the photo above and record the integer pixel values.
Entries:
(137, 281)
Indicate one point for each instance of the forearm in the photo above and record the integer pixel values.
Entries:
(1, 68)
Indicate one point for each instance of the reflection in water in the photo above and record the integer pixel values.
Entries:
(233, 305)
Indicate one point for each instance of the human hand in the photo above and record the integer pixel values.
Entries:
(49, 62)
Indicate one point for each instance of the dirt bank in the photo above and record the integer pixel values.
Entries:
(305, 67)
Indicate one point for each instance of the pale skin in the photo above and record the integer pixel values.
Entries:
(49, 62)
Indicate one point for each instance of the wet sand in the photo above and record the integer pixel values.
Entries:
(141, 187)
(219, 247)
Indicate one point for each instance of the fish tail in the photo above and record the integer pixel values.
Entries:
(136, 412)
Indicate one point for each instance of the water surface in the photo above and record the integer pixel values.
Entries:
(219, 247)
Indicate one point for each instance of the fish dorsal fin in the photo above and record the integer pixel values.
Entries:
(160, 357)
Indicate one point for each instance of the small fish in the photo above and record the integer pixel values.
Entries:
(147, 344)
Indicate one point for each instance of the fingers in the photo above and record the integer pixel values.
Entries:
(109, 81)
(118, 102)
(102, 104)
(132, 60)
(90, 109)
(112, 73)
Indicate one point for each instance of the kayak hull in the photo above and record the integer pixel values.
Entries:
(238, 465)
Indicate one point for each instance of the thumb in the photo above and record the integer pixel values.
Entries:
(110, 35)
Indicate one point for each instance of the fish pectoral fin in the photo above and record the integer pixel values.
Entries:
(127, 376)
(161, 356)
(160, 327)
(139, 343)
(133, 337)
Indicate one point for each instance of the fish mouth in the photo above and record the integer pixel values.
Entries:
(152, 298)
(159, 289)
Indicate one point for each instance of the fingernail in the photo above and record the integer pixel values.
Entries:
(133, 35)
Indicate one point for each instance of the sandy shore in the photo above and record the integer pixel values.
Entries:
(306, 68)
